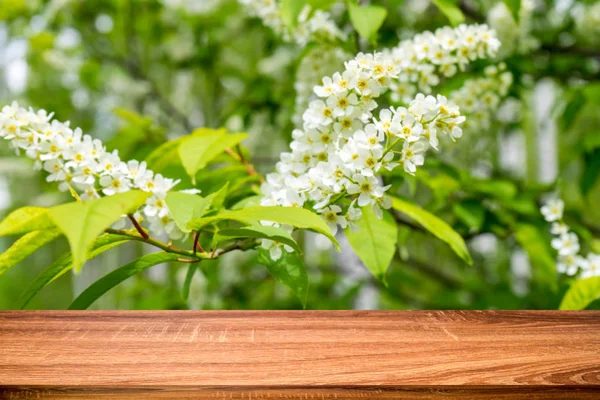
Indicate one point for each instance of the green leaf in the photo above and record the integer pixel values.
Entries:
(24, 220)
(321, 4)
(290, 10)
(168, 153)
(25, 246)
(572, 109)
(189, 276)
(375, 241)
(198, 151)
(185, 207)
(367, 19)
(503, 190)
(289, 270)
(436, 226)
(591, 173)
(471, 212)
(136, 133)
(514, 6)
(83, 222)
(295, 216)
(535, 244)
(165, 154)
(216, 199)
(259, 232)
(251, 201)
(65, 263)
(451, 10)
(107, 282)
(581, 294)
(132, 117)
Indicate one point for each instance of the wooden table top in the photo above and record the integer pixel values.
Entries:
(341, 354)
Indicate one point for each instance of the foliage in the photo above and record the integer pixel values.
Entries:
(443, 221)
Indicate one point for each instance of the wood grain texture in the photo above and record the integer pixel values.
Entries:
(233, 354)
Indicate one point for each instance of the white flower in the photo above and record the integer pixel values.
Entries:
(591, 267)
(388, 123)
(559, 228)
(155, 206)
(86, 174)
(136, 170)
(110, 163)
(553, 210)
(353, 214)
(318, 114)
(55, 168)
(411, 129)
(331, 216)
(366, 187)
(159, 185)
(275, 248)
(327, 89)
(163, 222)
(412, 156)
(115, 183)
(52, 148)
(569, 264)
(567, 244)
(342, 104)
(369, 138)
(382, 203)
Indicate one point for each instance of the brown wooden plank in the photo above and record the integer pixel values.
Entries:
(375, 354)
(245, 392)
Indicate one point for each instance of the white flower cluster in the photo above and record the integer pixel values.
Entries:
(340, 149)
(78, 161)
(480, 98)
(318, 62)
(566, 243)
(312, 25)
(420, 62)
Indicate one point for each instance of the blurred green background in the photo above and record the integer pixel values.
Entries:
(136, 73)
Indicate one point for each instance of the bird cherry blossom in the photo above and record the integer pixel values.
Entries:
(344, 144)
(567, 245)
(77, 161)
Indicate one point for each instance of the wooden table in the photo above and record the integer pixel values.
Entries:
(350, 354)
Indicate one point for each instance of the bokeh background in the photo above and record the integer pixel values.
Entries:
(136, 73)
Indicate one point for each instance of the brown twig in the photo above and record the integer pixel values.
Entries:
(250, 170)
(197, 244)
(138, 227)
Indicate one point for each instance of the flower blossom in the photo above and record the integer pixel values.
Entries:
(480, 98)
(312, 25)
(566, 243)
(343, 145)
(79, 162)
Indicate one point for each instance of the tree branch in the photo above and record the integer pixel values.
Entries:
(138, 227)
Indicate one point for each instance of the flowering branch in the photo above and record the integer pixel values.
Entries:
(341, 146)
(566, 243)
(311, 24)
